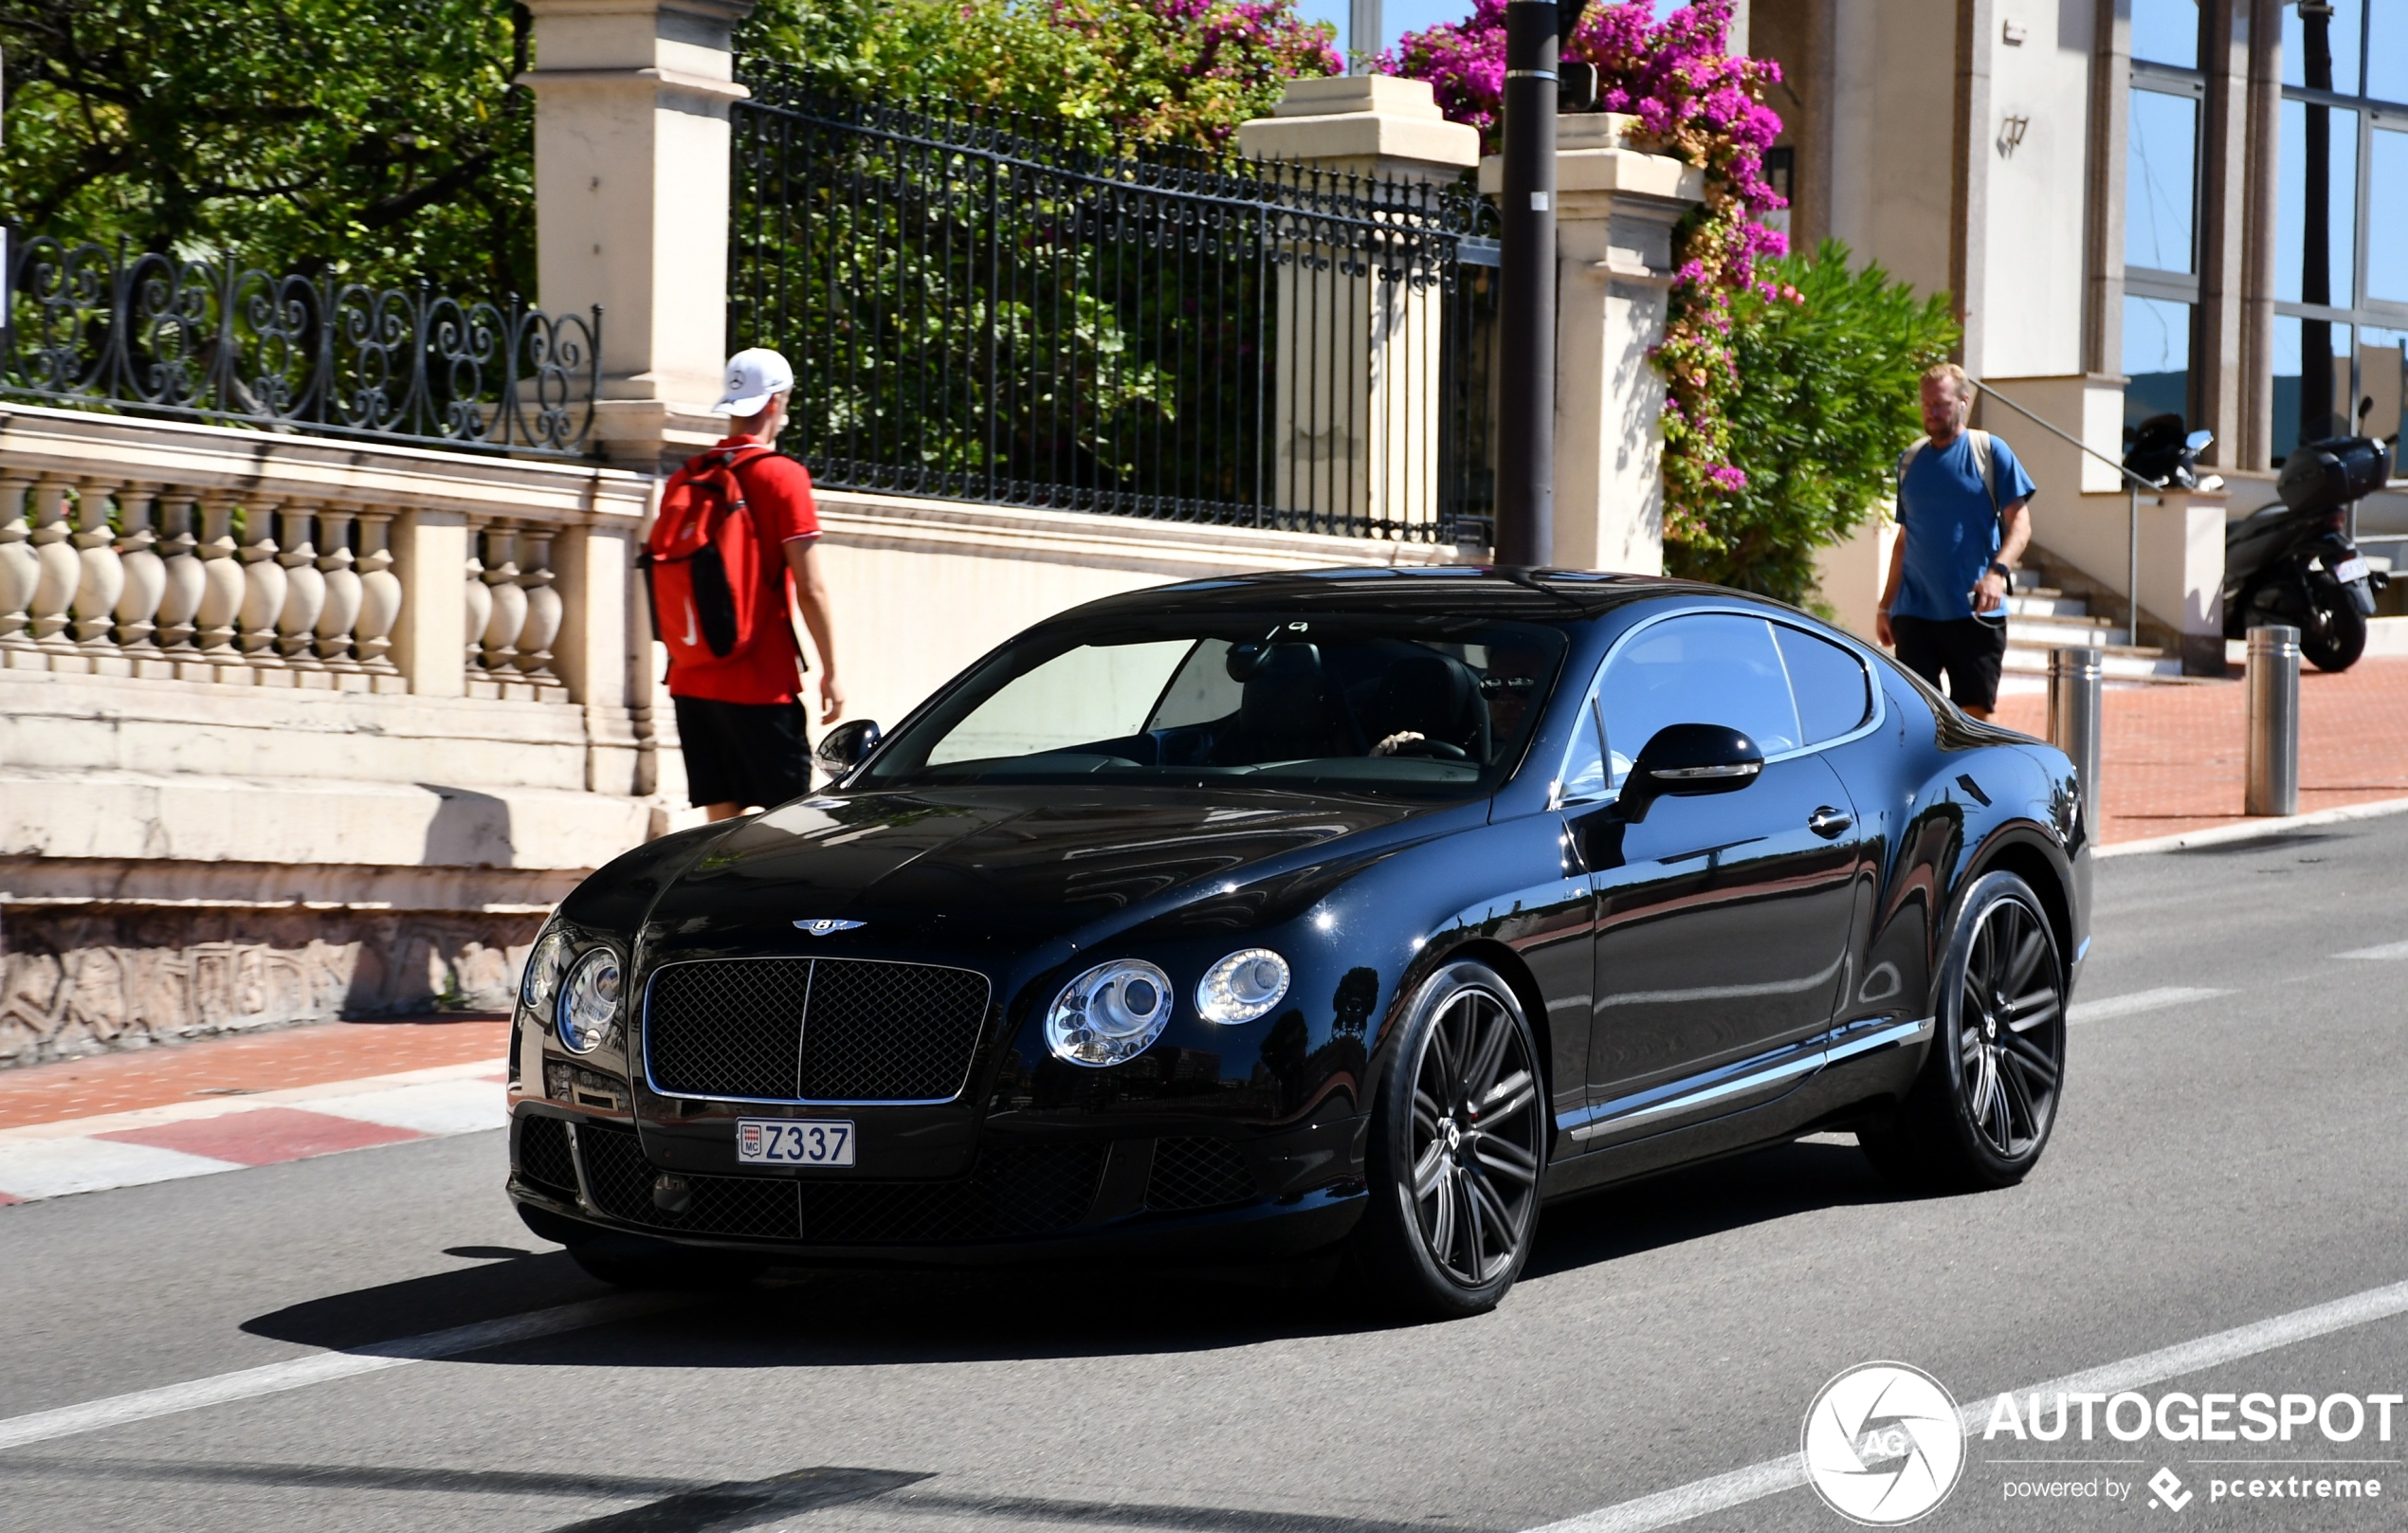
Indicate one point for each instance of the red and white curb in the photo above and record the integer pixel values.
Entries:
(196, 1138)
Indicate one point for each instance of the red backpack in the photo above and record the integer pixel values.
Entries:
(703, 562)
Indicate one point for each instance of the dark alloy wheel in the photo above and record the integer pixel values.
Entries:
(1458, 1142)
(1979, 1114)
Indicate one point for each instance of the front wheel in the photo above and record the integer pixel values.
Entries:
(1458, 1141)
(1979, 1114)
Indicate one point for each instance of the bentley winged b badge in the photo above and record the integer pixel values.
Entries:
(823, 926)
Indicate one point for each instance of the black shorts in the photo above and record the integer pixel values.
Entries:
(1970, 650)
(744, 753)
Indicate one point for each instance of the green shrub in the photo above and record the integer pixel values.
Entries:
(1828, 359)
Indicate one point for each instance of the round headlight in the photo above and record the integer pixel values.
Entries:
(1110, 1013)
(545, 965)
(588, 1001)
(1242, 987)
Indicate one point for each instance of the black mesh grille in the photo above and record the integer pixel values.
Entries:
(1197, 1174)
(727, 1028)
(869, 1032)
(881, 1031)
(760, 1207)
(1010, 1194)
(543, 1158)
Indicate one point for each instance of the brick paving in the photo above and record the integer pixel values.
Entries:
(2174, 758)
(236, 1066)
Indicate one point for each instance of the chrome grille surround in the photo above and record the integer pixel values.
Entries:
(809, 1032)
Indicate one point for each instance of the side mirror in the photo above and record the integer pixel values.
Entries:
(2197, 441)
(1684, 761)
(842, 748)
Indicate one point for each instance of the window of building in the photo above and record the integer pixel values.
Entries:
(2157, 359)
(2167, 31)
(2160, 209)
(2340, 254)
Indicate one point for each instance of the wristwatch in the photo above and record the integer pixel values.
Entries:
(2001, 570)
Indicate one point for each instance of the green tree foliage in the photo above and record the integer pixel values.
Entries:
(383, 138)
(1828, 359)
(1153, 72)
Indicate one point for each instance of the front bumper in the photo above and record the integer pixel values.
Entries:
(1030, 1196)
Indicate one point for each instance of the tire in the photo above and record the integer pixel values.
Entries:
(2333, 637)
(1458, 1143)
(1980, 1113)
(678, 1271)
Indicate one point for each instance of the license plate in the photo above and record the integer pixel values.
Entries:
(795, 1142)
(2349, 569)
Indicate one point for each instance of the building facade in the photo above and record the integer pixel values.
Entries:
(2139, 206)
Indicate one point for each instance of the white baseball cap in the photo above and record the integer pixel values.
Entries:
(753, 377)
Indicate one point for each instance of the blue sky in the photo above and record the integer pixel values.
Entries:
(1399, 17)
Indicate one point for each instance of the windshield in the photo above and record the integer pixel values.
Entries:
(1386, 705)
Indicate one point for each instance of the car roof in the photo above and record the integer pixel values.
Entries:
(1487, 590)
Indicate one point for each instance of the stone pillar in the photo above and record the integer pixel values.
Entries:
(1356, 425)
(2216, 346)
(431, 636)
(1614, 250)
(631, 151)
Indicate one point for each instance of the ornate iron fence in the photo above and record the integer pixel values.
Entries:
(216, 341)
(976, 310)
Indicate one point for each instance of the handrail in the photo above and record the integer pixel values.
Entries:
(2137, 481)
(2133, 486)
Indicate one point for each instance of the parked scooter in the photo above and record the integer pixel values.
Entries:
(2293, 563)
(2165, 456)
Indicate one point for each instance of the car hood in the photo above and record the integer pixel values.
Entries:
(1009, 865)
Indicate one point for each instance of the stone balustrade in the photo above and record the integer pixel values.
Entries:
(196, 554)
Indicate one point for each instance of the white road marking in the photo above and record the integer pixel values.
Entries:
(297, 1096)
(2383, 954)
(439, 1107)
(318, 1368)
(1738, 1487)
(55, 1168)
(2111, 1007)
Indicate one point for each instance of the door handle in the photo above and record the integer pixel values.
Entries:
(1829, 823)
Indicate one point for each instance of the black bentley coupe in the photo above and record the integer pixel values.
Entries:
(1358, 911)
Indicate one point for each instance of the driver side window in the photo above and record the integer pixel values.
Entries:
(1710, 669)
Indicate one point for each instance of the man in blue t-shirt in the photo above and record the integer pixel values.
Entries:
(1960, 533)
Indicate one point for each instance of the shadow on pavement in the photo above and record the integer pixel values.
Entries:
(869, 1318)
(1704, 1200)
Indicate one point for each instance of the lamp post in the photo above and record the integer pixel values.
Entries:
(1535, 31)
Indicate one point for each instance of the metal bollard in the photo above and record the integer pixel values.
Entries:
(2273, 722)
(2076, 677)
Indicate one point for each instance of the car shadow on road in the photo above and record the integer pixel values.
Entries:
(882, 1317)
(1701, 1200)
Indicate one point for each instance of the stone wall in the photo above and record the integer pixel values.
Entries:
(81, 979)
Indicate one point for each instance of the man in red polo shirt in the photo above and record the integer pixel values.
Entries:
(740, 718)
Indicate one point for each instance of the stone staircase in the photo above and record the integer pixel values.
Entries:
(2041, 618)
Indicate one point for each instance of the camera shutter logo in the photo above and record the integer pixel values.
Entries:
(1883, 1444)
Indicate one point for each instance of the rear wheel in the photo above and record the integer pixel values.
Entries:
(2333, 637)
(1980, 1112)
(1458, 1141)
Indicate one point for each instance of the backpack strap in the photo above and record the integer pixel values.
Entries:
(1987, 463)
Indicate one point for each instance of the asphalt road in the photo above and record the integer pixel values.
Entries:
(2223, 1158)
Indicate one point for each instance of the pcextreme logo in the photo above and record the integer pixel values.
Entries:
(1883, 1444)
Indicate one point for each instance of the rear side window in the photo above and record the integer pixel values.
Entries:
(1834, 694)
(1711, 669)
